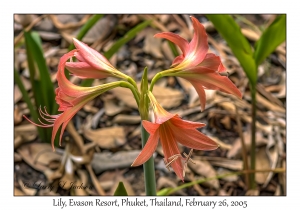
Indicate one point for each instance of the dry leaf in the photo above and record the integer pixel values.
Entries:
(110, 106)
(272, 153)
(262, 162)
(205, 169)
(18, 192)
(127, 119)
(107, 161)
(107, 138)
(236, 148)
(26, 189)
(167, 97)
(152, 45)
(17, 93)
(222, 144)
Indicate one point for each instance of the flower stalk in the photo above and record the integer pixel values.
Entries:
(148, 166)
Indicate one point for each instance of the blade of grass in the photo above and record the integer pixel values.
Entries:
(121, 190)
(173, 48)
(272, 37)
(239, 45)
(118, 44)
(34, 48)
(42, 85)
(241, 48)
(169, 191)
(27, 100)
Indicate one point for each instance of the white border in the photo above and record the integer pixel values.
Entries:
(8, 201)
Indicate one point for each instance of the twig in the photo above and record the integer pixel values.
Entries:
(94, 180)
(77, 138)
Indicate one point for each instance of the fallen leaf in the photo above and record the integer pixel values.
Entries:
(167, 97)
(272, 153)
(18, 192)
(205, 169)
(236, 148)
(107, 161)
(262, 162)
(106, 138)
(127, 119)
(111, 107)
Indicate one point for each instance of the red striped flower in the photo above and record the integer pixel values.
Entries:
(170, 129)
(71, 98)
(91, 64)
(198, 66)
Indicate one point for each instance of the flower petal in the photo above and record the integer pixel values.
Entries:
(176, 39)
(150, 127)
(84, 70)
(91, 56)
(192, 138)
(170, 148)
(148, 150)
(198, 46)
(177, 60)
(212, 62)
(185, 124)
(201, 93)
(211, 80)
(64, 118)
(161, 115)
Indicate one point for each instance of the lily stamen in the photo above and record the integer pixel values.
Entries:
(172, 159)
(188, 157)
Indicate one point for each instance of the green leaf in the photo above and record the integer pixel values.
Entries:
(164, 191)
(126, 38)
(120, 191)
(239, 45)
(273, 36)
(26, 98)
(118, 44)
(173, 48)
(42, 86)
(40, 71)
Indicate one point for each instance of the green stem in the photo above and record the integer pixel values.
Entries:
(253, 135)
(131, 81)
(149, 172)
(133, 90)
(154, 80)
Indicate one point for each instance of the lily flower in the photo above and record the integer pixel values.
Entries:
(195, 64)
(91, 64)
(71, 98)
(170, 129)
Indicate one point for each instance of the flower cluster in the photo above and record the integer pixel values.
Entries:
(195, 64)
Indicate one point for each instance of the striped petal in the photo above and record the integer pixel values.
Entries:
(91, 56)
(84, 70)
(194, 139)
(148, 149)
(176, 39)
(170, 148)
(210, 80)
(198, 46)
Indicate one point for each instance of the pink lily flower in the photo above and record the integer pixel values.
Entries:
(198, 66)
(170, 129)
(71, 98)
(91, 64)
